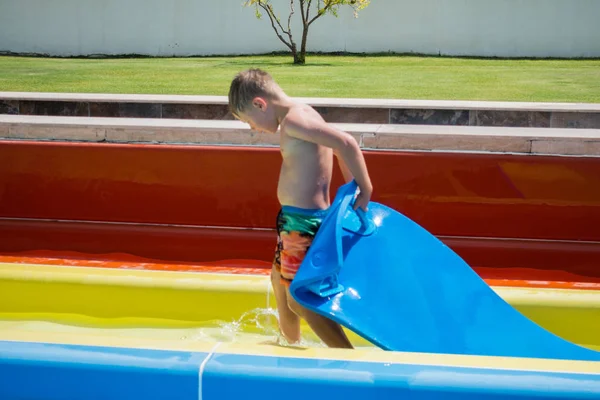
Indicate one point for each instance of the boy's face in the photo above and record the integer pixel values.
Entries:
(260, 116)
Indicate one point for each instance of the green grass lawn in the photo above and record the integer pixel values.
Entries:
(395, 77)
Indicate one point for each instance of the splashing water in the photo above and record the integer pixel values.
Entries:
(259, 324)
(258, 320)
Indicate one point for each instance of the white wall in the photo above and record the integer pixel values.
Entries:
(506, 28)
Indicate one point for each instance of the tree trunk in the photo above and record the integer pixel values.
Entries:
(301, 57)
(298, 56)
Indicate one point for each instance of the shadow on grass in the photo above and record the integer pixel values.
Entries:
(276, 64)
(340, 54)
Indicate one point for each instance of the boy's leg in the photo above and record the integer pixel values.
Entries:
(330, 332)
(296, 232)
(289, 322)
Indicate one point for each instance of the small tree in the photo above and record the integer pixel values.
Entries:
(310, 11)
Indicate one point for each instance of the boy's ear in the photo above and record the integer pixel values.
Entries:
(259, 103)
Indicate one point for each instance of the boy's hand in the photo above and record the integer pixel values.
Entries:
(362, 199)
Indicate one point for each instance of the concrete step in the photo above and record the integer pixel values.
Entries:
(558, 141)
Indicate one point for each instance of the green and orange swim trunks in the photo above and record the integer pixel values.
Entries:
(296, 229)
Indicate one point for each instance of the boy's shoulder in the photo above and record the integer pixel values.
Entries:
(301, 118)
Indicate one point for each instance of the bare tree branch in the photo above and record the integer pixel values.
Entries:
(277, 19)
(320, 14)
(307, 12)
(291, 13)
(269, 11)
(289, 31)
(302, 12)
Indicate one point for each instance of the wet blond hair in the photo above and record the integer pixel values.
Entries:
(248, 84)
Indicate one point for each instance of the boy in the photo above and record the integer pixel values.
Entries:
(307, 146)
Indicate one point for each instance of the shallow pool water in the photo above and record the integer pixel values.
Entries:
(258, 326)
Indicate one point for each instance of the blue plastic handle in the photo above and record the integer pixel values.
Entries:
(355, 221)
(344, 217)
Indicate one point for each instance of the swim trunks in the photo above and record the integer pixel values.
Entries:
(296, 229)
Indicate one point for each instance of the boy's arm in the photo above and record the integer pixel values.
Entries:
(343, 167)
(342, 143)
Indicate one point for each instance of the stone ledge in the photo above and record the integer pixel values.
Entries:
(112, 98)
(583, 142)
(335, 110)
(315, 101)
